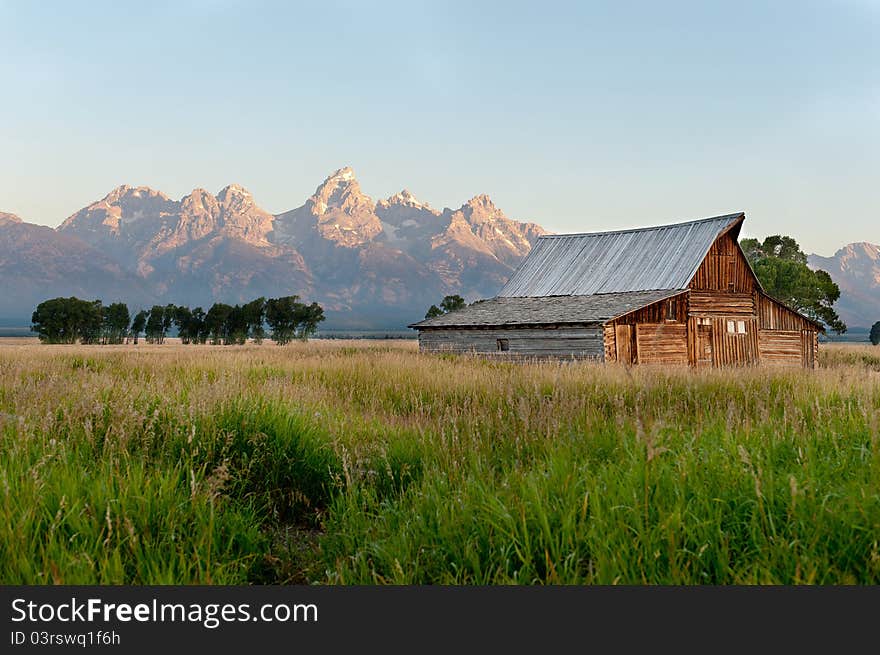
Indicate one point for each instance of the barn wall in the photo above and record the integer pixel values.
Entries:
(735, 349)
(724, 288)
(662, 343)
(658, 335)
(773, 315)
(657, 312)
(709, 303)
(610, 343)
(780, 347)
(725, 268)
(788, 347)
(581, 342)
(785, 337)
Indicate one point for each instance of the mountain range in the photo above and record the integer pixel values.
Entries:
(371, 264)
(856, 270)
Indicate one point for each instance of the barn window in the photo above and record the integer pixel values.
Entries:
(736, 327)
(670, 309)
(502, 345)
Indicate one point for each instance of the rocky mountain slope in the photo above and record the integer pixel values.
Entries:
(37, 262)
(856, 270)
(371, 264)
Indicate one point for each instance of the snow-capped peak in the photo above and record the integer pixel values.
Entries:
(405, 198)
(124, 191)
(234, 190)
(344, 174)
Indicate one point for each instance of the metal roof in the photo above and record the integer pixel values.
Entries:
(546, 310)
(662, 257)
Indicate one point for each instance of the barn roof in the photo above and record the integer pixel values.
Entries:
(662, 257)
(547, 310)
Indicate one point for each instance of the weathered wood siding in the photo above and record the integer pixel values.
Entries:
(725, 268)
(625, 340)
(785, 337)
(563, 341)
(655, 334)
(714, 303)
(657, 312)
(811, 354)
(734, 349)
(724, 289)
(661, 343)
(773, 315)
(699, 342)
(610, 343)
(781, 347)
(788, 347)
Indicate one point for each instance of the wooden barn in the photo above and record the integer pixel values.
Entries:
(673, 294)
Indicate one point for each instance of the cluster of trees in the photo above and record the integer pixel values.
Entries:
(781, 266)
(68, 320)
(448, 304)
(875, 334)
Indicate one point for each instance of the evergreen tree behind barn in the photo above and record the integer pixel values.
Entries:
(672, 294)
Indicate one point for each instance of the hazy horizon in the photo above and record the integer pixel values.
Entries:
(578, 117)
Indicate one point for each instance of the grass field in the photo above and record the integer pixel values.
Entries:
(365, 462)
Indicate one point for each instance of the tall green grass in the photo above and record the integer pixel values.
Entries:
(370, 463)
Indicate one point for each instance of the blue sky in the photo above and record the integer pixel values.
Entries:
(578, 116)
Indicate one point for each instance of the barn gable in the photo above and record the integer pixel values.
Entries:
(725, 266)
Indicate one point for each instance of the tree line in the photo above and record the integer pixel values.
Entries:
(72, 320)
(781, 266)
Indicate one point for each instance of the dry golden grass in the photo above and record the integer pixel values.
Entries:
(422, 468)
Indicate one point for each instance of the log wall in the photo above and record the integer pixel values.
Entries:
(576, 342)
(657, 312)
(714, 303)
(657, 334)
(661, 343)
(734, 349)
(610, 343)
(773, 315)
(780, 347)
(788, 347)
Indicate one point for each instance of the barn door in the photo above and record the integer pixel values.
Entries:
(623, 337)
(704, 342)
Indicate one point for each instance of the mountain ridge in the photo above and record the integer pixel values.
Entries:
(372, 264)
(855, 268)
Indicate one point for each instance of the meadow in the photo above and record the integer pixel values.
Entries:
(365, 462)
